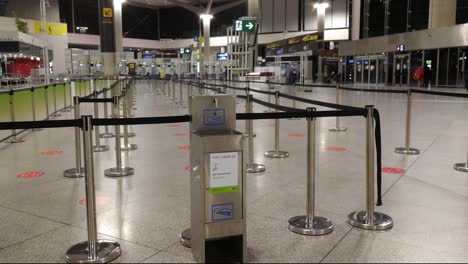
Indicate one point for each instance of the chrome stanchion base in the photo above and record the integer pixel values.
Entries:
(129, 147)
(407, 151)
(255, 168)
(247, 135)
(185, 238)
(461, 167)
(101, 148)
(321, 226)
(56, 114)
(14, 140)
(106, 251)
(276, 154)
(107, 135)
(36, 129)
(119, 172)
(130, 134)
(381, 221)
(74, 173)
(66, 109)
(338, 129)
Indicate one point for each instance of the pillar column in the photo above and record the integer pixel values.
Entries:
(253, 11)
(206, 18)
(356, 26)
(118, 29)
(108, 45)
(442, 13)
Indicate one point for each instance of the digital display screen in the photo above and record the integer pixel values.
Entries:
(351, 61)
(222, 56)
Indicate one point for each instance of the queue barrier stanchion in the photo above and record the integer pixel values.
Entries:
(119, 170)
(126, 106)
(407, 150)
(33, 108)
(93, 250)
(462, 166)
(56, 113)
(46, 91)
(181, 95)
(337, 128)
(310, 224)
(106, 133)
(126, 145)
(78, 171)
(369, 219)
(252, 167)
(277, 153)
(98, 147)
(13, 138)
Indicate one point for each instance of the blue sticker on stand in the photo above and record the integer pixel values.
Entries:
(214, 117)
(222, 212)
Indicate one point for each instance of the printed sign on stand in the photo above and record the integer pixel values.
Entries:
(224, 172)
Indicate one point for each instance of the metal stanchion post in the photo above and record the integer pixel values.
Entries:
(78, 171)
(277, 153)
(181, 95)
(33, 105)
(310, 224)
(174, 99)
(126, 146)
(119, 170)
(13, 139)
(369, 219)
(98, 147)
(407, 150)
(462, 166)
(338, 101)
(46, 91)
(251, 166)
(106, 133)
(55, 113)
(93, 250)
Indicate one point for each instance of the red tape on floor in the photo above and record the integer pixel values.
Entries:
(172, 125)
(180, 135)
(296, 135)
(336, 149)
(393, 170)
(100, 200)
(51, 152)
(30, 174)
(185, 147)
(187, 168)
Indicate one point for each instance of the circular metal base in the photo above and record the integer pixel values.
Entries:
(276, 154)
(129, 147)
(74, 173)
(381, 221)
(106, 251)
(66, 110)
(307, 91)
(107, 135)
(185, 238)
(247, 135)
(255, 168)
(130, 134)
(320, 227)
(407, 151)
(461, 167)
(119, 172)
(338, 129)
(36, 129)
(14, 141)
(101, 148)
(56, 114)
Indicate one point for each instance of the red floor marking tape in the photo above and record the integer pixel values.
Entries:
(296, 135)
(172, 125)
(269, 125)
(187, 168)
(180, 135)
(337, 149)
(100, 200)
(52, 152)
(393, 170)
(185, 147)
(163, 114)
(30, 174)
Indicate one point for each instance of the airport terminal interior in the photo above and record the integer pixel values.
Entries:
(232, 131)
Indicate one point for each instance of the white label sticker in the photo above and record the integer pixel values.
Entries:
(224, 169)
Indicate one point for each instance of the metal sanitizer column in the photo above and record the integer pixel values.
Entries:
(217, 181)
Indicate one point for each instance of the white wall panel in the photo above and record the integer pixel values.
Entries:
(279, 20)
(267, 16)
(292, 15)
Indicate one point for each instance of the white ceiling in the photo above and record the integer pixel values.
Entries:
(166, 3)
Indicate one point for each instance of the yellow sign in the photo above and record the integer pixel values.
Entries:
(310, 38)
(57, 29)
(131, 65)
(293, 41)
(107, 12)
(201, 39)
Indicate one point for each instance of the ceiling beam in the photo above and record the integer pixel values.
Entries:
(192, 8)
(227, 6)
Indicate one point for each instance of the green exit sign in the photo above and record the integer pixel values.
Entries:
(245, 25)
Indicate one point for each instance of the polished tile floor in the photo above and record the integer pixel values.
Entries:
(40, 217)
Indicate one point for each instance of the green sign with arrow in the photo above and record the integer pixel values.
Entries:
(245, 25)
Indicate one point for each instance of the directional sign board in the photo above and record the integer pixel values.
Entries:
(245, 25)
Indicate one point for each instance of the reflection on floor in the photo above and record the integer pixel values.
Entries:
(41, 215)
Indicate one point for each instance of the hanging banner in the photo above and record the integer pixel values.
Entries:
(56, 29)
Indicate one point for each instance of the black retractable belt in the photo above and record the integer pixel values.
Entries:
(378, 147)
